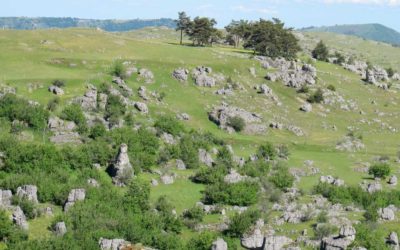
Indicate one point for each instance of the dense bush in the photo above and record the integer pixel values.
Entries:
(240, 223)
(189, 152)
(281, 178)
(240, 194)
(9, 233)
(203, 241)
(59, 83)
(331, 87)
(267, 151)
(75, 114)
(15, 108)
(237, 123)
(53, 104)
(316, 97)
(168, 124)
(370, 236)
(207, 175)
(320, 52)
(118, 69)
(195, 214)
(380, 170)
(115, 109)
(256, 168)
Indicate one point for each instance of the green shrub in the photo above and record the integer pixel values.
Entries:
(27, 206)
(339, 58)
(53, 104)
(202, 241)
(390, 71)
(267, 151)
(75, 114)
(316, 97)
(241, 194)
(14, 108)
(195, 214)
(115, 109)
(237, 123)
(380, 170)
(304, 89)
(370, 236)
(189, 152)
(168, 124)
(281, 178)
(331, 87)
(320, 52)
(207, 175)
(324, 230)
(98, 130)
(256, 168)
(59, 83)
(118, 70)
(241, 223)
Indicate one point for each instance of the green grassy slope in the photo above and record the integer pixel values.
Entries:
(82, 56)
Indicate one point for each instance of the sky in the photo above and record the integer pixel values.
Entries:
(295, 13)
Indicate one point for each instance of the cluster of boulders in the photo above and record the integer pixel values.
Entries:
(146, 75)
(63, 131)
(74, 196)
(202, 76)
(121, 169)
(122, 85)
(291, 73)
(181, 74)
(331, 180)
(256, 238)
(221, 115)
(350, 144)
(347, 235)
(56, 90)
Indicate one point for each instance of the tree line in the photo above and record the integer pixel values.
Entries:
(264, 37)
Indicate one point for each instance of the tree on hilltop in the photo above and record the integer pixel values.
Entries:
(182, 23)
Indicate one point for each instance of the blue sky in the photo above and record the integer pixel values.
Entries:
(295, 13)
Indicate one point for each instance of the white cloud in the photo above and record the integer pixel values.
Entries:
(242, 8)
(376, 2)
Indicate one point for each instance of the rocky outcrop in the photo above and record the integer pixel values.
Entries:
(393, 180)
(202, 78)
(273, 242)
(292, 74)
(357, 67)
(234, 177)
(28, 192)
(373, 187)
(19, 219)
(219, 244)
(181, 74)
(122, 85)
(180, 165)
(346, 236)
(5, 198)
(146, 75)
(121, 169)
(331, 180)
(183, 117)
(74, 196)
(56, 90)
(112, 244)
(375, 75)
(205, 158)
(60, 228)
(306, 107)
(386, 213)
(142, 92)
(142, 107)
(88, 101)
(221, 115)
(350, 144)
(63, 131)
(393, 241)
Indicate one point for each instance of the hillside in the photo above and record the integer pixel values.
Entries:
(375, 32)
(27, 23)
(356, 127)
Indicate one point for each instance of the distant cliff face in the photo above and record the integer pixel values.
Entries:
(376, 32)
(26, 23)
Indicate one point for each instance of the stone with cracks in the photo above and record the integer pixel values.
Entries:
(19, 219)
(74, 196)
(219, 244)
(121, 169)
(142, 107)
(60, 228)
(387, 214)
(28, 192)
(147, 75)
(205, 158)
(112, 244)
(181, 74)
(5, 198)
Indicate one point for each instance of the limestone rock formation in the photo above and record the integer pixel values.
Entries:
(219, 244)
(74, 196)
(167, 179)
(181, 74)
(234, 177)
(56, 90)
(60, 228)
(142, 107)
(122, 85)
(306, 107)
(5, 198)
(346, 236)
(28, 192)
(387, 214)
(221, 115)
(201, 75)
(19, 219)
(205, 158)
(121, 170)
(147, 75)
(112, 244)
(393, 180)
